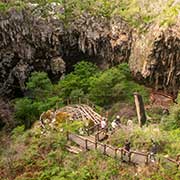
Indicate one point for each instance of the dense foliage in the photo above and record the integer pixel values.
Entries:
(40, 97)
(102, 87)
(114, 85)
(172, 121)
(138, 13)
(77, 83)
(44, 157)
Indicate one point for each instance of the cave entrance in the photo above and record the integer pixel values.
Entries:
(74, 58)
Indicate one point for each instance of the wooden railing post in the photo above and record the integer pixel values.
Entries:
(115, 152)
(178, 157)
(159, 160)
(121, 154)
(129, 154)
(67, 135)
(98, 127)
(147, 158)
(86, 146)
(98, 136)
(68, 101)
(87, 101)
(79, 100)
(95, 144)
(104, 149)
(107, 116)
(57, 106)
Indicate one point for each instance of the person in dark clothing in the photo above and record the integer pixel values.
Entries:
(127, 145)
(153, 151)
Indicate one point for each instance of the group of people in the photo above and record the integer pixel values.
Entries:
(152, 153)
(115, 123)
(127, 145)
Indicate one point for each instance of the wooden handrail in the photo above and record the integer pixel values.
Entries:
(139, 153)
(107, 145)
(93, 128)
(121, 150)
(178, 158)
(100, 131)
(173, 161)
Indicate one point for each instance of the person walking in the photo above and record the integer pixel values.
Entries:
(115, 123)
(117, 120)
(103, 123)
(153, 151)
(127, 146)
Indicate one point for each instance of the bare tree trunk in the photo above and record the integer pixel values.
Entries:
(140, 109)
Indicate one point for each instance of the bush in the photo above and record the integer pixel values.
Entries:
(103, 88)
(172, 121)
(39, 85)
(26, 112)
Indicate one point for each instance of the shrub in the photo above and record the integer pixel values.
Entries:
(39, 85)
(26, 112)
(19, 130)
(172, 121)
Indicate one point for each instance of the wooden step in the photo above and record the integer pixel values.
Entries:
(74, 149)
(91, 137)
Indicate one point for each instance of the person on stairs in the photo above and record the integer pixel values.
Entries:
(103, 124)
(153, 151)
(117, 120)
(127, 146)
(115, 123)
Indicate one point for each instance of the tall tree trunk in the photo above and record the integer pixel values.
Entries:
(140, 109)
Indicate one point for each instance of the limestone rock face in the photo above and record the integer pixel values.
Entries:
(108, 40)
(29, 43)
(155, 59)
(26, 44)
(6, 117)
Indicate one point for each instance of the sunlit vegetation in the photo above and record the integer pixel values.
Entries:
(103, 88)
(27, 153)
(138, 13)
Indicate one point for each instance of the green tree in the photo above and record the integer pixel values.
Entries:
(78, 81)
(39, 85)
(26, 112)
(114, 85)
(41, 98)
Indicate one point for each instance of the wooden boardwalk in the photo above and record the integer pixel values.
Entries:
(134, 157)
(88, 144)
